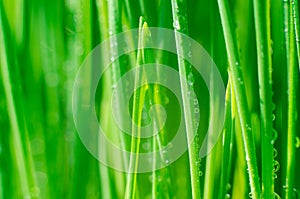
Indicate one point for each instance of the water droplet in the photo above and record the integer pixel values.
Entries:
(196, 110)
(276, 166)
(159, 178)
(250, 195)
(167, 161)
(114, 86)
(190, 54)
(176, 25)
(191, 79)
(276, 196)
(297, 142)
(273, 117)
(236, 63)
(273, 106)
(274, 176)
(110, 32)
(297, 193)
(248, 127)
(227, 195)
(200, 173)
(189, 94)
(195, 101)
(240, 81)
(275, 153)
(166, 100)
(228, 187)
(274, 136)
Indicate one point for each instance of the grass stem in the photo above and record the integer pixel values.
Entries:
(241, 100)
(263, 44)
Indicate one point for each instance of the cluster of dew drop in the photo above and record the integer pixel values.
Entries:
(276, 165)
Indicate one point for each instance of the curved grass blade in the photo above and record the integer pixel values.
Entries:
(138, 105)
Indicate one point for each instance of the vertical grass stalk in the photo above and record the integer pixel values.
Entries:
(292, 92)
(241, 100)
(227, 145)
(180, 23)
(263, 44)
(295, 8)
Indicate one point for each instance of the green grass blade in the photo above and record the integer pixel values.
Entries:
(227, 143)
(138, 104)
(114, 8)
(180, 23)
(19, 138)
(295, 8)
(292, 93)
(241, 100)
(263, 43)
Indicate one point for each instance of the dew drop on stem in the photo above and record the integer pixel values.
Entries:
(273, 117)
(250, 195)
(191, 79)
(276, 166)
(275, 153)
(276, 196)
(297, 193)
(200, 173)
(176, 25)
(297, 142)
(273, 106)
(228, 187)
(274, 136)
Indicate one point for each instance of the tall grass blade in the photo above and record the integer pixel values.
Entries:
(295, 8)
(180, 24)
(292, 76)
(263, 44)
(241, 100)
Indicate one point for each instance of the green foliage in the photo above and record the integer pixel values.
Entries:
(255, 45)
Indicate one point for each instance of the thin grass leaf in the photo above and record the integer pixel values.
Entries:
(241, 100)
(19, 138)
(180, 24)
(114, 9)
(227, 146)
(263, 43)
(292, 98)
(138, 105)
(295, 8)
